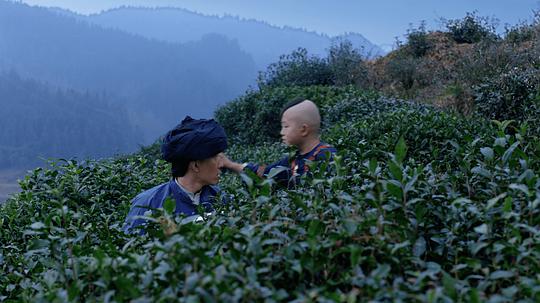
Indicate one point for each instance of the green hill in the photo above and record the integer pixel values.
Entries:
(421, 204)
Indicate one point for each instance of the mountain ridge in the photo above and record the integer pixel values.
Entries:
(159, 81)
(263, 41)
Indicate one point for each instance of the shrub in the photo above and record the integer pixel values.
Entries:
(347, 64)
(404, 70)
(471, 29)
(418, 43)
(520, 33)
(432, 136)
(343, 66)
(254, 118)
(523, 32)
(297, 69)
(424, 206)
(362, 108)
(508, 96)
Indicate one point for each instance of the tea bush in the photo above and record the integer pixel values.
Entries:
(508, 96)
(419, 205)
(254, 118)
(360, 108)
(405, 72)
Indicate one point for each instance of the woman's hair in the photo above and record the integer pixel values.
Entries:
(179, 168)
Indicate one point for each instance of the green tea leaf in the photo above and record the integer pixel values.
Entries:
(521, 187)
(169, 205)
(419, 247)
(501, 274)
(508, 153)
(276, 171)
(481, 229)
(493, 201)
(401, 150)
(487, 152)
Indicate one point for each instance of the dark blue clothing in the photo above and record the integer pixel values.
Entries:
(155, 197)
(193, 139)
(296, 166)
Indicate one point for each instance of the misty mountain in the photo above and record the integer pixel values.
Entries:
(262, 40)
(158, 82)
(37, 120)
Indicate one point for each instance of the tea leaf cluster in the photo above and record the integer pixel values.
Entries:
(419, 205)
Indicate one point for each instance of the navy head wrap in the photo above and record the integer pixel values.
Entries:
(193, 139)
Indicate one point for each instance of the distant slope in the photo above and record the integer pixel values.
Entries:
(160, 82)
(8, 183)
(263, 41)
(38, 121)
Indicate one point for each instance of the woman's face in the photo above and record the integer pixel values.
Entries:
(209, 169)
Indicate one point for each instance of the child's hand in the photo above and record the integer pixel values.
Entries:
(231, 165)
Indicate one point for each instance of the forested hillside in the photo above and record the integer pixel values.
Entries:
(264, 42)
(422, 203)
(38, 122)
(157, 81)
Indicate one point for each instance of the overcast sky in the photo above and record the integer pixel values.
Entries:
(380, 21)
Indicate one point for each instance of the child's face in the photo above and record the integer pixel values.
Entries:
(291, 131)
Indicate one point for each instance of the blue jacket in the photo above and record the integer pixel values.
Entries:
(154, 198)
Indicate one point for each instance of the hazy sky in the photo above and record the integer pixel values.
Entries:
(378, 20)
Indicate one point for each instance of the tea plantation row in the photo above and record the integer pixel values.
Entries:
(420, 205)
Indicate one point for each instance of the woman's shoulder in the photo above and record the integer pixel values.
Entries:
(211, 189)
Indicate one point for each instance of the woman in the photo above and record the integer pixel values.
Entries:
(194, 148)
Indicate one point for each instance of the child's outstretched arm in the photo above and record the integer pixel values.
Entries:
(231, 165)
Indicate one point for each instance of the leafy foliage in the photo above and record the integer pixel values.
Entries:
(523, 32)
(347, 64)
(406, 72)
(297, 69)
(363, 107)
(420, 205)
(344, 65)
(446, 67)
(471, 29)
(418, 42)
(509, 96)
(254, 118)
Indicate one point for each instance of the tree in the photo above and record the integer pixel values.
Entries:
(346, 64)
(297, 69)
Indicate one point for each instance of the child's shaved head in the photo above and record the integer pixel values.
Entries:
(303, 112)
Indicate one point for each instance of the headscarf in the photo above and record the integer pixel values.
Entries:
(193, 139)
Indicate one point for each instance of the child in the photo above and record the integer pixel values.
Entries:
(300, 126)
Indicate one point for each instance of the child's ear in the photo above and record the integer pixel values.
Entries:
(304, 130)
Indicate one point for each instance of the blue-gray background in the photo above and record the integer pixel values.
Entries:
(380, 21)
